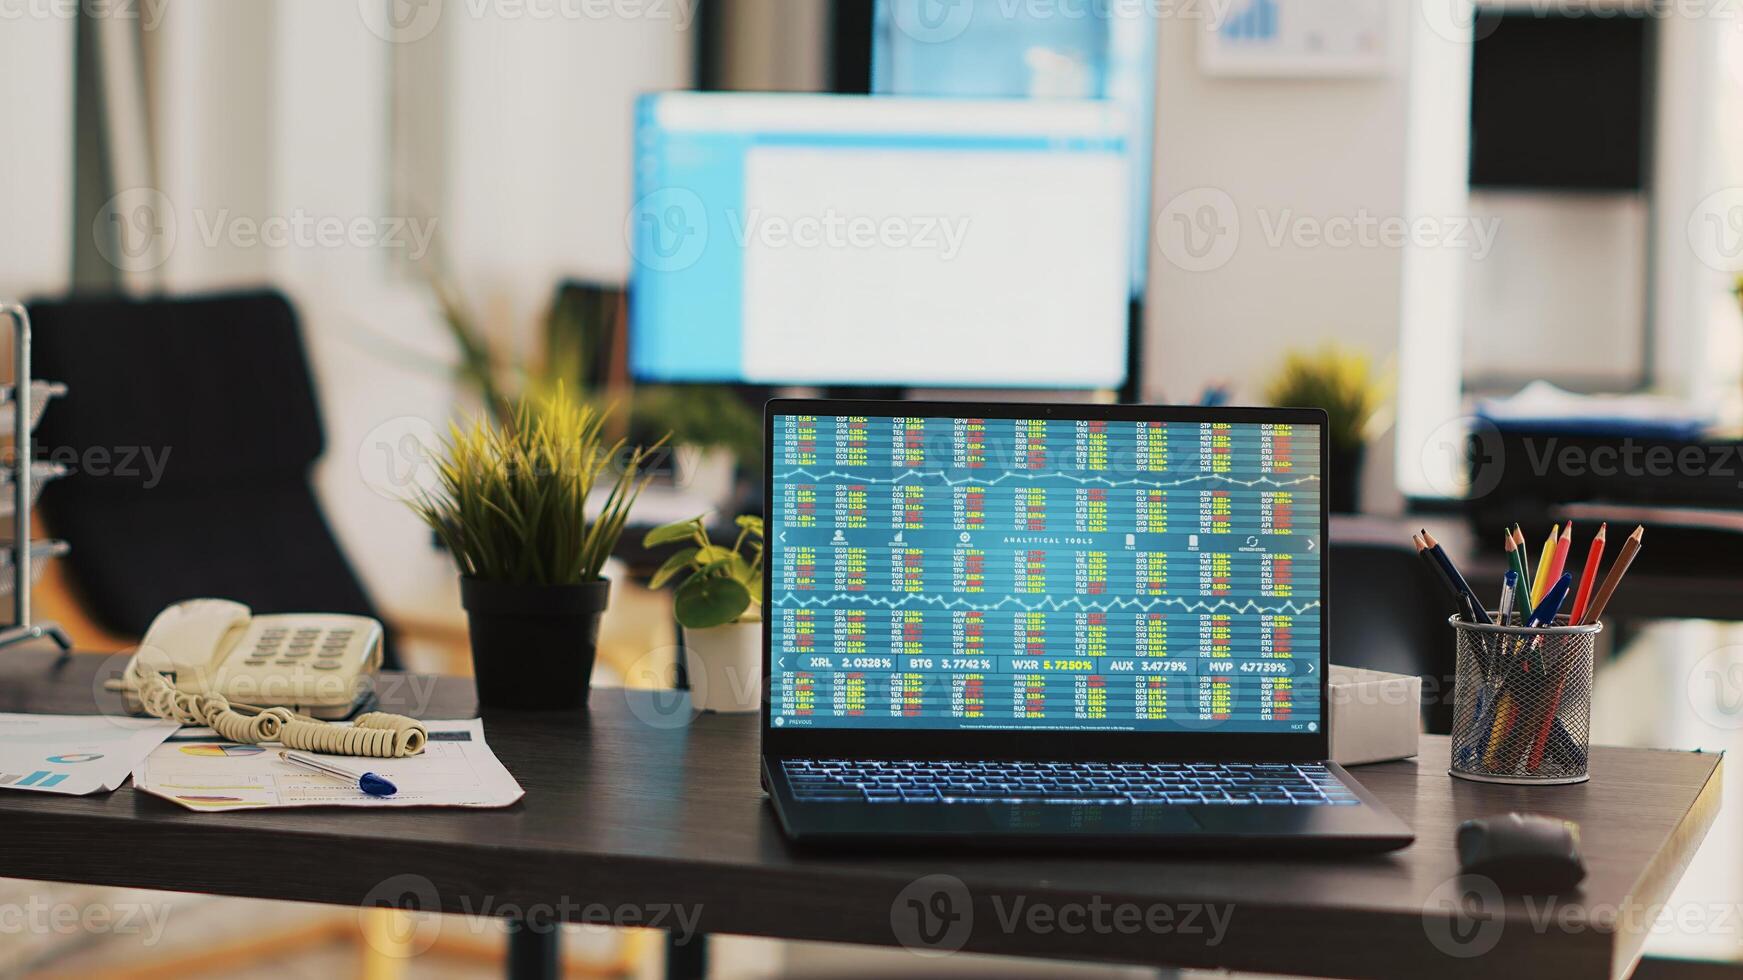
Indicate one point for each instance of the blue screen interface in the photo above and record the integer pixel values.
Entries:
(1067, 574)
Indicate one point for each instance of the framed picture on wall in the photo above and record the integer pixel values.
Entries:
(1298, 39)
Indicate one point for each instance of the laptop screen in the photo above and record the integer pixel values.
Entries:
(1065, 574)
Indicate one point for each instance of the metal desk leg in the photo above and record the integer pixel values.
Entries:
(687, 959)
(534, 953)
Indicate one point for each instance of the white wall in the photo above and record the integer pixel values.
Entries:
(36, 154)
(538, 150)
(1563, 290)
(282, 112)
(1236, 158)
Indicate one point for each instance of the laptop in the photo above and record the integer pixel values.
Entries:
(1024, 624)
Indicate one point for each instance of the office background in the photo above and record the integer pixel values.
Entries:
(193, 146)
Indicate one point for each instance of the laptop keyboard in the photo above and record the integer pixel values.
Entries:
(1114, 783)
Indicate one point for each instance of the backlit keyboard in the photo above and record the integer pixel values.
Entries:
(1113, 783)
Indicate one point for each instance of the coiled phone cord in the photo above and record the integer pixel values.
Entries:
(375, 733)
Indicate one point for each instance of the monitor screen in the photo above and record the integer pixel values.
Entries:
(999, 49)
(966, 573)
(857, 240)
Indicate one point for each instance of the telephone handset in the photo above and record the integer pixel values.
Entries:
(204, 659)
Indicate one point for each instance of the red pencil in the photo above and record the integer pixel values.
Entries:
(1588, 576)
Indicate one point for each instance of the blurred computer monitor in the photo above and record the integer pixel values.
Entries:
(869, 241)
(1097, 49)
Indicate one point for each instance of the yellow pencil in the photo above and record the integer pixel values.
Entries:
(1540, 583)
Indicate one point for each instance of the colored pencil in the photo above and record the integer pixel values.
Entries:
(1525, 562)
(1588, 576)
(1458, 580)
(1433, 566)
(1624, 558)
(1540, 581)
(1562, 547)
(1521, 594)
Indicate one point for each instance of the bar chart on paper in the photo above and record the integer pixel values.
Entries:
(1298, 38)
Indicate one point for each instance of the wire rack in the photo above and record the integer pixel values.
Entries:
(22, 405)
(1523, 702)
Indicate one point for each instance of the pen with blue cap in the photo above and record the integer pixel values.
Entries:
(368, 782)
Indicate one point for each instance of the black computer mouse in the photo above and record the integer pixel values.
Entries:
(1522, 852)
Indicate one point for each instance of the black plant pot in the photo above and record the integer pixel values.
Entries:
(533, 645)
(1345, 479)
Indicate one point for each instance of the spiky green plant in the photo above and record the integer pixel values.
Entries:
(1342, 382)
(511, 497)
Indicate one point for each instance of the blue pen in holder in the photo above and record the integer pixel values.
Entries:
(1523, 702)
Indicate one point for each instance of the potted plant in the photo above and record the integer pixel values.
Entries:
(1343, 383)
(718, 600)
(510, 503)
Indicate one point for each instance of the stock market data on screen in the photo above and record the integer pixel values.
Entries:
(1069, 574)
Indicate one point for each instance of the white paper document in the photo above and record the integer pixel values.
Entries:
(74, 754)
(203, 772)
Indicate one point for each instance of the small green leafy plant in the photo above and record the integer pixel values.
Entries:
(719, 585)
(1343, 382)
(511, 497)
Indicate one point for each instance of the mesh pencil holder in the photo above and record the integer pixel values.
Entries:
(1523, 702)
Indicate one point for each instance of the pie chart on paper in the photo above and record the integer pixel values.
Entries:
(214, 750)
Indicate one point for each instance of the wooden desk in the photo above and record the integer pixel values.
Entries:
(634, 817)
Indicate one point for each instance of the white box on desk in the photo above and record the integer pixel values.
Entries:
(1375, 716)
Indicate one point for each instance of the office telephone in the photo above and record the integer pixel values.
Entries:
(267, 678)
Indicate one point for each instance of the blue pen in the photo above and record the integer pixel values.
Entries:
(1544, 614)
(368, 782)
(1546, 611)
